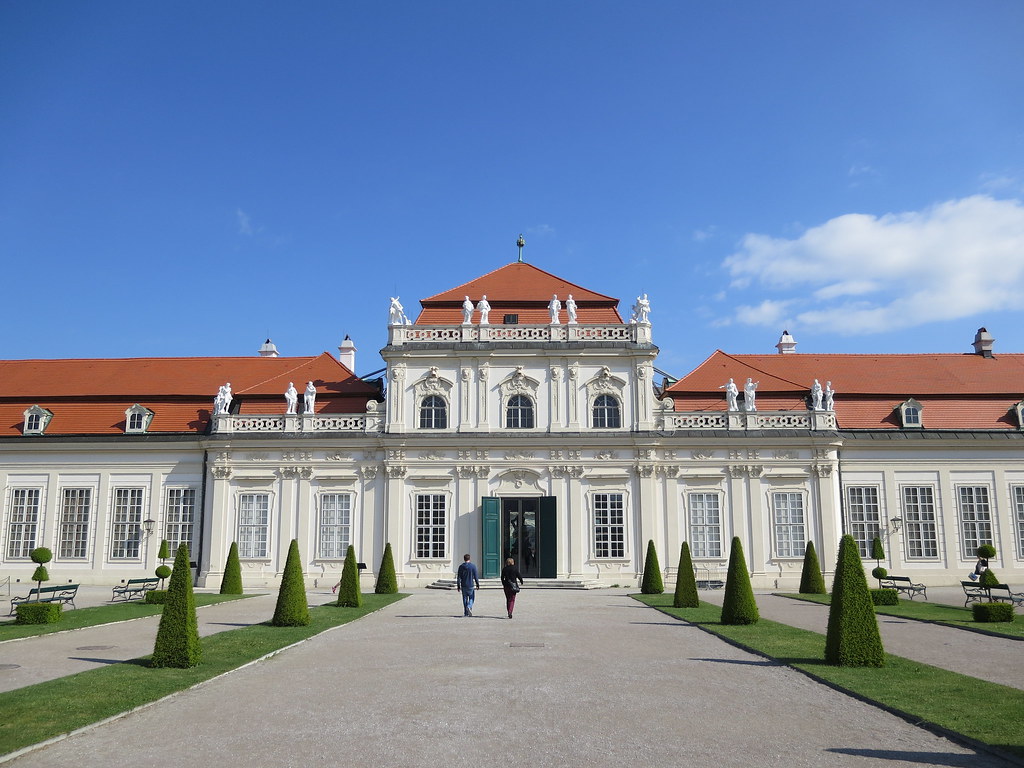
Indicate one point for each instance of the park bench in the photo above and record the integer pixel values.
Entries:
(61, 593)
(133, 588)
(904, 584)
(1000, 593)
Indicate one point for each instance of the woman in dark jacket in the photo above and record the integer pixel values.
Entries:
(510, 581)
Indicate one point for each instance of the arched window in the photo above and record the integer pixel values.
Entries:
(433, 413)
(606, 413)
(519, 413)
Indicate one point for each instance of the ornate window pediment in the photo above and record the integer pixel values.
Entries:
(911, 414)
(432, 384)
(137, 420)
(36, 420)
(518, 383)
(604, 383)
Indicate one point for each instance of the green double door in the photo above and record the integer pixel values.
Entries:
(523, 528)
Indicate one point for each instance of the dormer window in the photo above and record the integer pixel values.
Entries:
(36, 420)
(910, 414)
(1019, 409)
(137, 420)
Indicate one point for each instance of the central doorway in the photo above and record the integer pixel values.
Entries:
(519, 533)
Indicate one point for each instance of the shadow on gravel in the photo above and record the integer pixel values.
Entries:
(745, 662)
(134, 662)
(925, 758)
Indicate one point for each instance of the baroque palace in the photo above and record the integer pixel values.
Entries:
(520, 415)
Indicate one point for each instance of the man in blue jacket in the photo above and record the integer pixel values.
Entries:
(468, 581)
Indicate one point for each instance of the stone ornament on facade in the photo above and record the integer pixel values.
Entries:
(668, 470)
(641, 311)
(221, 473)
(784, 455)
(396, 471)
(732, 393)
(467, 312)
(737, 470)
(396, 314)
(705, 455)
(570, 308)
(432, 456)
(222, 402)
(830, 395)
(554, 307)
(369, 472)
(518, 383)
(817, 393)
(605, 455)
(750, 395)
(337, 456)
(566, 471)
(644, 470)
(604, 383)
(291, 398)
(755, 470)
(519, 455)
(396, 454)
(433, 384)
(309, 398)
(467, 471)
(485, 310)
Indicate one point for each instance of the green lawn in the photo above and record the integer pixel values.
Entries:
(43, 711)
(980, 710)
(100, 614)
(949, 615)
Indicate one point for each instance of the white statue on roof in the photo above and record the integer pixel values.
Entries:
(396, 314)
(749, 395)
(816, 394)
(641, 311)
(555, 307)
(829, 397)
(467, 312)
(309, 398)
(485, 310)
(222, 402)
(291, 396)
(570, 308)
(732, 393)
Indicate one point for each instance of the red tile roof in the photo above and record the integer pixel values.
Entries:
(957, 391)
(91, 396)
(522, 289)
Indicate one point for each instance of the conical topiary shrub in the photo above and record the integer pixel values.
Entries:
(811, 580)
(652, 584)
(292, 608)
(387, 581)
(852, 639)
(177, 639)
(877, 551)
(40, 556)
(165, 550)
(231, 583)
(686, 584)
(349, 595)
(738, 605)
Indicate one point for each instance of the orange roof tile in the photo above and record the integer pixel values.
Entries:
(521, 289)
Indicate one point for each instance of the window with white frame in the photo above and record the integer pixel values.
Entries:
(137, 419)
(609, 525)
(975, 518)
(73, 529)
(36, 420)
(606, 412)
(431, 525)
(519, 412)
(865, 515)
(788, 510)
(126, 524)
(181, 514)
(705, 524)
(23, 522)
(919, 522)
(910, 414)
(253, 525)
(433, 413)
(1017, 492)
(335, 525)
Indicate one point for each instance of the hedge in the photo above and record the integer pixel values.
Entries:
(885, 597)
(156, 597)
(991, 612)
(38, 613)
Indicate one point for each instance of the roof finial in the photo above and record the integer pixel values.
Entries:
(520, 242)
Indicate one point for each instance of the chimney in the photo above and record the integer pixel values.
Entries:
(347, 354)
(787, 344)
(268, 349)
(983, 342)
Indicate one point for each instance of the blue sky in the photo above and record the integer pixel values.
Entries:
(188, 178)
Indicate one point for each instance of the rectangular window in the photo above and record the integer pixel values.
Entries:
(919, 521)
(24, 522)
(789, 524)
(975, 518)
(335, 525)
(865, 516)
(1018, 513)
(609, 525)
(705, 525)
(431, 524)
(73, 532)
(126, 530)
(181, 511)
(253, 525)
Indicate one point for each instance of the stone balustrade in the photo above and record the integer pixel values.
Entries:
(638, 333)
(744, 420)
(368, 423)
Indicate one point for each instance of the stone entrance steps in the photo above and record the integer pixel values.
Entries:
(530, 584)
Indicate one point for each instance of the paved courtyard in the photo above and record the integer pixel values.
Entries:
(577, 678)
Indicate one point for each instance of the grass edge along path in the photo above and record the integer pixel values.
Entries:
(52, 710)
(100, 615)
(952, 616)
(976, 712)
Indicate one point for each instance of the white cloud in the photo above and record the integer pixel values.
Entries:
(952, 260)
(244, 223)
(700, 235)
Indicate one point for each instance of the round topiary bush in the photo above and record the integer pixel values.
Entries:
(879, 573)
(986, 551)
(652, 584)
(990, 612)
(162, 572)
(40, 555)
